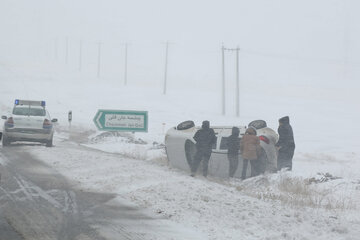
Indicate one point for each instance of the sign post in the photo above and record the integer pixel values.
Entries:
(121, 120)
(70, 117)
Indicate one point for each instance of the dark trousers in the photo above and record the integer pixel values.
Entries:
(285, 157)
(204, 156)
(244, 168)
(255, 167)
(233, 164)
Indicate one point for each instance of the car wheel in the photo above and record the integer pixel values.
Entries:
(185, 125)
(5, 141)
(258, 124)
(49, 143)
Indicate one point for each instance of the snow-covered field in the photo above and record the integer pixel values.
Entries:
(319, 199)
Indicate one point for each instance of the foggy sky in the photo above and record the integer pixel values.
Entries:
(285, 40)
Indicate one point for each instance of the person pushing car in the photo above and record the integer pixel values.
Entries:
(233, 145)
(286, 144)
(249, 147)
(204, 138)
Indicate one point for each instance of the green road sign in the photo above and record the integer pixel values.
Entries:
(121, 120)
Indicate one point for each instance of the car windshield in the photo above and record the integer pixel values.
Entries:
(28, 111)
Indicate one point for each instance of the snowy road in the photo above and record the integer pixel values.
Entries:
(36, 202)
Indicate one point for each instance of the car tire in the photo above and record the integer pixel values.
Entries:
(258, 124)
(185, 125)
(49, 143)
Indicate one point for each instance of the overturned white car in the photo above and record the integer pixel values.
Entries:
(180, 147)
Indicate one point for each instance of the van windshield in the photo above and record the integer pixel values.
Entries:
(28, 111)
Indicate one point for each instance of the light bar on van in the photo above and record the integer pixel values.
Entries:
(29, 102)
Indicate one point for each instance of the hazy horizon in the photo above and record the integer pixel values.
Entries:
(286, 42)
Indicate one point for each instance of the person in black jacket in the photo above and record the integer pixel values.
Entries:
(204, 138)
(233, 145)
(286, 144)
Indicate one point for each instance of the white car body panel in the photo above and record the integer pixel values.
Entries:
(270, 149)
(28, 122)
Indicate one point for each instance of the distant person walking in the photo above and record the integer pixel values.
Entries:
(233, 145)
(204, 138)
(286, 144)
(249, 146)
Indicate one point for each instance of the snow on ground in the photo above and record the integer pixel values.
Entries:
(221, 209)
(317, 200)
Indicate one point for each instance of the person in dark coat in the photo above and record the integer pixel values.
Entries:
(286, 144)
(249, 147)
(204, 138)
(233, 145)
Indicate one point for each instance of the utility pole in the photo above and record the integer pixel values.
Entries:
(80, 55)
(166, 63)
(66, 50)
(345, 41)
(237, 104)
(56, 49)
(126, 63)
(99, 59)
(223, 79)
(237, 83)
